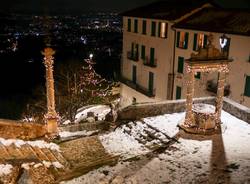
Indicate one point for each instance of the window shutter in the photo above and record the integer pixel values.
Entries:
(152, 55)
(247, 86)
(159, 29)
(180, 64)
(135, 25)
(178, 39)
(144, 26)
(134, 74)
(151, 83)
(205, 41)
(143, 52)
(132, 50)
(178, 93)
(195, 42)
(129, 25)
(137, 51)
(186, 41)
(153, 26)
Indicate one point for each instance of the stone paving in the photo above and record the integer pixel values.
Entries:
(76, 156)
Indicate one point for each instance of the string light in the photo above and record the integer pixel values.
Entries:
(200, 63)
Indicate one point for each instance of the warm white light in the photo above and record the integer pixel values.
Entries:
(223, 42)
(163, 30)
(91, 56)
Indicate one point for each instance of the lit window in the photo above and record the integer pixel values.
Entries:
(200, 41)
(162, 31)
(182, 40)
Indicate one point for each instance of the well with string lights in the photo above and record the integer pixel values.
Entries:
(204, 118)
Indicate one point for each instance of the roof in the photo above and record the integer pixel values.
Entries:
(165, 9)
(217, 20)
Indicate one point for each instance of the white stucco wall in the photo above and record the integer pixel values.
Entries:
(239, 68)
(163, 54)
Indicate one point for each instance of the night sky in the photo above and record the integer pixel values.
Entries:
(78, 6)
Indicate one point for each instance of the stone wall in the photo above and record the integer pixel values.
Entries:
(166, 107)
(237, 110)
(99, 125)
(153, 109)
(10, 129)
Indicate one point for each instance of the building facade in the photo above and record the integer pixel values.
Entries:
(155, 49)
(231, 33)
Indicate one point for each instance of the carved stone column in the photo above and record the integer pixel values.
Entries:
(220, 94)
(189, 99)
(51, 116)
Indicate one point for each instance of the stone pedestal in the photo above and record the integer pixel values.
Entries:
(52, 126)
(51, 116)
(204, 120)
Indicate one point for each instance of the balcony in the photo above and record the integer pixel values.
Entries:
(133, 56)
(137, 87)
(149, 62)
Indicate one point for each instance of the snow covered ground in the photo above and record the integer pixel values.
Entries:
(99, 110)
(65, 134)
(213, 159)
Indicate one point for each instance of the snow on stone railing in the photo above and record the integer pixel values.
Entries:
(5, 169)
(171, 106)
(39, 143)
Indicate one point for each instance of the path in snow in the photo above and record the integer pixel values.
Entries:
(223, 158)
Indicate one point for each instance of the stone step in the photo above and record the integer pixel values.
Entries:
(84, 167)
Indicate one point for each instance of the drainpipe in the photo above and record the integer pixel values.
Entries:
(173, 68)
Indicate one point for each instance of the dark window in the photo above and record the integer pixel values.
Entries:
(180, 64)
(136, 26)
(197, 75)
(178, 92)
(151, 83)
(129, 25)
(143, 55)
(182, 40)
(247, 86)
(144, 27)
(153, 28)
